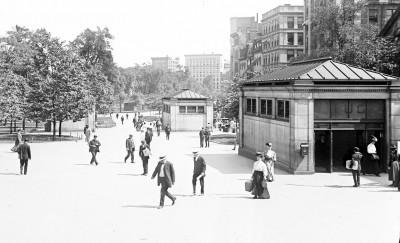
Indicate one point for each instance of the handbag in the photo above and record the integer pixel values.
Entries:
(248, 185)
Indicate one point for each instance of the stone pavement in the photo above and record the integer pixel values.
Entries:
(64, 199)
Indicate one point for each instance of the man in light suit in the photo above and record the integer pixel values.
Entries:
(166, 178)
(199, 172)
(24, 152)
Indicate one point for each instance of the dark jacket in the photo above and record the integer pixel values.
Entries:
(148, 137)
(130, 145)
(199, 166)
(94, 146)
(141, 148)
(207, 133)
(169, 173)
(24, 151)
(167, 129)
(201, 133)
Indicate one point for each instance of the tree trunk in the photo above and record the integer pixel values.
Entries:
(37, 123)
(15, 125)
(23, 124)
(54, 128)
(120, 106)
(59, 129)
(11, 126)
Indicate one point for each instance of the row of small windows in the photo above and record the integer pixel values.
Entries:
(265, 108)
(191, 109)
(290, 23)
(166, 108)
(290, 37)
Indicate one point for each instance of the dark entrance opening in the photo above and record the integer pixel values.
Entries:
(322, 151)
(343, 144)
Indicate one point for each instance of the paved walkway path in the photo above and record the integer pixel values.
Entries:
(64, 199)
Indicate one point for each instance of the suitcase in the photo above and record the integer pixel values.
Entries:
(248, 185)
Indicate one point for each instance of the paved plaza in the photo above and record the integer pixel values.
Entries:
(64, 199)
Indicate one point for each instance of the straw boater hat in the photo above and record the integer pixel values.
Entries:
(163, 156)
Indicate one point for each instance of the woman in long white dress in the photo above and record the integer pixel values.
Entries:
(270, 159)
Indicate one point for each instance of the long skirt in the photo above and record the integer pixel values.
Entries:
(258, 177)
(370, 165)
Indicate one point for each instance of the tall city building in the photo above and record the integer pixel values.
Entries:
(165, 63)
(201, 66)
(282, 38)
(243, 31)
(375, 12)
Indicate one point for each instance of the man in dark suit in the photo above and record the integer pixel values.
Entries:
(24, 152)
(207, 134)
(201, 134)
(94, 148)
(166, 178)
(148, 137)
(199, 172)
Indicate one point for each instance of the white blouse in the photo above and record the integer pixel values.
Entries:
(259, 165)
(371, 149)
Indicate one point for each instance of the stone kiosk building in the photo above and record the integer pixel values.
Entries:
(187, 111)
(323, 105)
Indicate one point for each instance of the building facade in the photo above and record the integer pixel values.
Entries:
(282, 36)
(167, 64)
(315, 112)
(375, 12)
(187, 111)
(243, 31)
(202, 66)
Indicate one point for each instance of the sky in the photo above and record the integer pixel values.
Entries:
(141, 29)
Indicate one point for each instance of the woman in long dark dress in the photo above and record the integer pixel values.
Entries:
(259, 174)
(394, 166)
(371, 165)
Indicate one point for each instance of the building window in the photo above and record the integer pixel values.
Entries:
(191, 109)
(283, 109)
(300, 21)
(290, 39)
(300, 39)
(266, 107)
(182, 109)
(290, 22)
(251, 106)
(290, 54)
(373, 16)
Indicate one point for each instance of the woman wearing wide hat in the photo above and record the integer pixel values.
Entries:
(372, 161)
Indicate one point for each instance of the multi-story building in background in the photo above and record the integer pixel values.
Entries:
(243, 31)
(201, 66)
(375, 12)
(167, 64)
(282, 37)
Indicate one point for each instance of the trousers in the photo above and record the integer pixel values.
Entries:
(356, 177)
(194, 182)
(93, 160)
(145, 162)
(201, 142)
(164, 192)
(130, 154)
(207, 142)
(23, 166)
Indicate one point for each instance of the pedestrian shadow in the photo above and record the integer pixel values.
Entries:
(139, 206)
(8, 173)
(394, 190)
(130, 175)
(184, 195)
(338, 186)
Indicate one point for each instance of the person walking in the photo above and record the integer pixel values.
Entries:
(144, 153)
(94, 148)
(130, 148)
(87, 134)
(201, 135)
(270, 159)
(24, 152)
(159, 125)
(166, 178)
(236, 141)
(122, 119)
(259, 174)
(199, 172)
(117, 115)
(356, 166)
(207, 134)
(167, 132)
(372, 163)
(18, 141)
(148, 136)
(127, 116)
(394, 167)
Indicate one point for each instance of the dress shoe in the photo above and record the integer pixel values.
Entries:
(173, 201)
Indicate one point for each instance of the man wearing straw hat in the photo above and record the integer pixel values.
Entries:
(166, 178)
